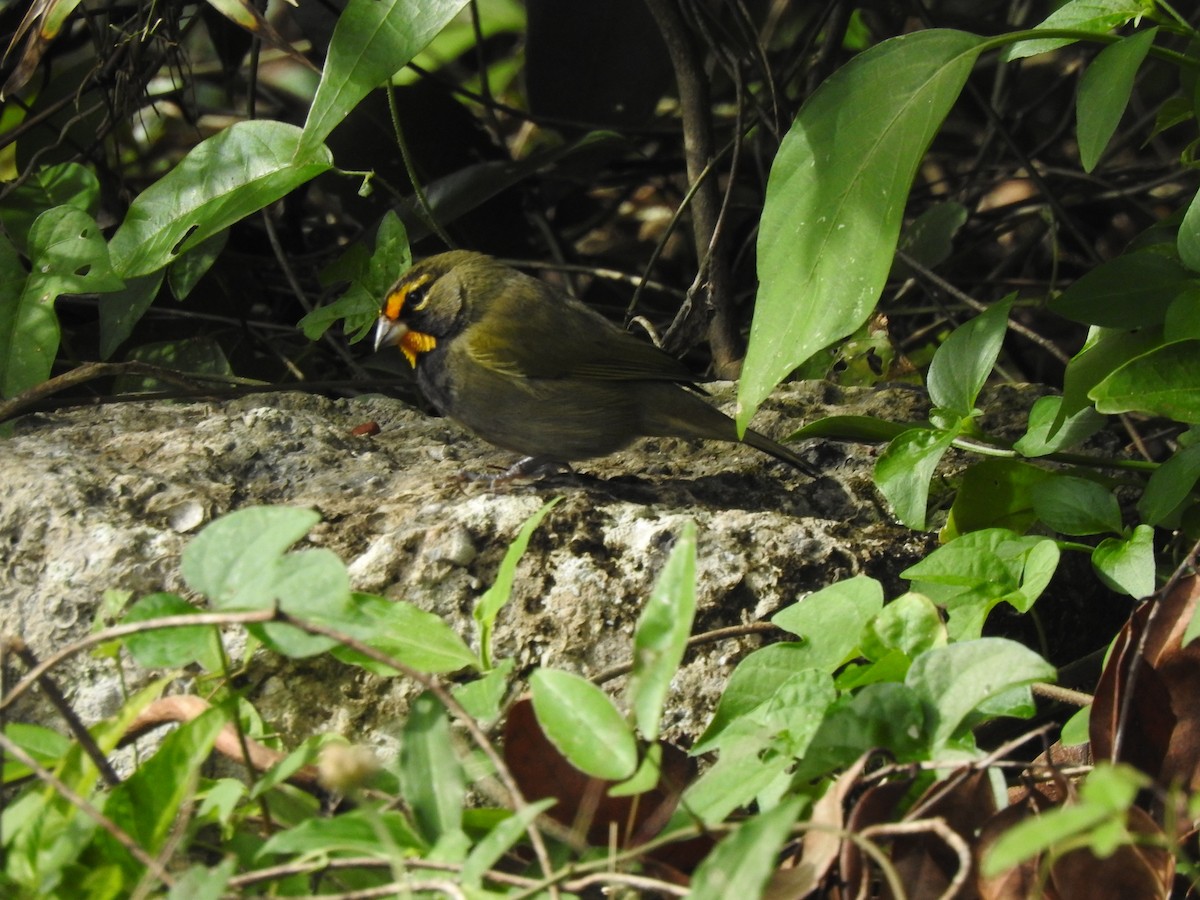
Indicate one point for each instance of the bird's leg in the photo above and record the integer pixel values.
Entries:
(526, 467)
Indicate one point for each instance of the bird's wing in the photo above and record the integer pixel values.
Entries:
(562, 339)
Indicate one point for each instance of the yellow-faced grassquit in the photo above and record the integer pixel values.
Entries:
(533, 371)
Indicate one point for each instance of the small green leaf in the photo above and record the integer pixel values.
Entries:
(1164, 382)
(500, 840)
(583, 724)
(755, 680)
(831, 621)
(963, 362)
(1133, 290)
(482, 697)
(169, 648)
(1077, 506)
(489, 605)
(736, 778)
(910, 623)
(227, 561)
(1045, 435)
(68, 184)
(1104, 92)
(430, 773)
(836, 196)
(413, 636)
(956, 680)
(662, 633)
(373, 39)
(1092, 16)
(1127, 564)
(741, 864)
(851, 428)
(905, 468)
(223, 179)
(1170, 485)
(929, 240)
(995, 493)
(360, 832)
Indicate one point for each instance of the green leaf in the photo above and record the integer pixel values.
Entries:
(503, 835)
(413, 636)
(905, 468)
(191, 266)
(223, 179)
(227, 560)
(1077, 506)
(910, 623)
(67, 184)
(1092, 16)
(995, 493)
(146, 803)
(880, 715)
(733, 781)
(361, 832)
(583, 724)
(1126, 564)
(1133, 290)
(963, 362)
(1170, 485)
(67, 256)
(373, 39)
(831, 621)
(1104, 92)
(121, 310)
(836, 197)
(1163, 382)
(203, 882)
(956, 680)
(430, 773)
(489, 605)
(929, 240)
(359, 305)
(1105, 352)
(1106, 795)
(482, 697)
(170, 648)
(662, 633)
(851, 428)
(1045, 435)
(741, 864)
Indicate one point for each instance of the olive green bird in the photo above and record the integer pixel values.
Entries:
(530, 370)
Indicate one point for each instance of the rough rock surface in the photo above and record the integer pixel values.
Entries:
(106, 498)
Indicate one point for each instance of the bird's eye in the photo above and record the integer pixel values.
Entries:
(417, 296)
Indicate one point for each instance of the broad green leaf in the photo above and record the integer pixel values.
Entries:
(223, 179)
(228, 560)
(1044, 435)
(67, 184)
(1077, 506)
(191, 266)
(1164, 382)
(851, 428)
(662, 633)
(430, 773)
(753, 682)
(736, 778)
(1133, 290)
(373, 39)
(482, 697)
(489, 605)
(956, 680)
(499, 841)
(583, 724)
(1170, 485)
(1091, 16)
(168, 648)
(836, 197)
(740, 865)
(201, 354)
(312, 585)
(929, 240)
(995, 493)
(910, 623)
(905, 468)
(880, 715)
(1104, 92)
(146, 803)
(359, 832)
(1126, 564)
(963, 362)
(413, 636)
(1105, 352)
(359, 305)
(121, 310)
(67, 255)
(831, 621)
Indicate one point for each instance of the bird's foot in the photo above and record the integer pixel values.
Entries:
(526, 467)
